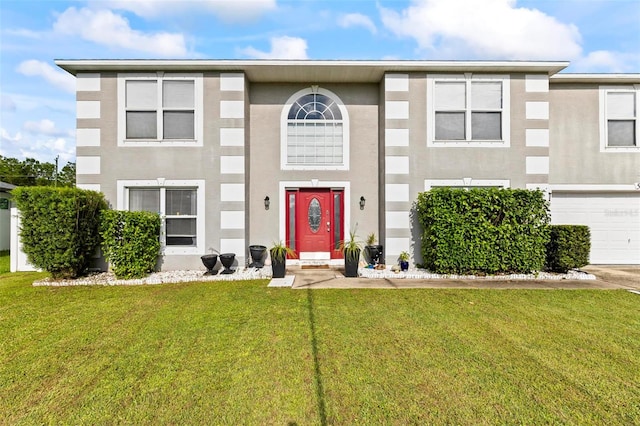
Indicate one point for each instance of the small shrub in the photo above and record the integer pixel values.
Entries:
(59, 227)
(568, 247)
(130, 242)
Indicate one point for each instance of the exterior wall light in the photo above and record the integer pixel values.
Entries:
(362, 201)
(266, 202)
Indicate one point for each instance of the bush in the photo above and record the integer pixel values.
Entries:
(130, 242)
(59, 227)
(568, 247)
(485, 230)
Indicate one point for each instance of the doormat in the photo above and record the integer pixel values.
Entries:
(315, 267)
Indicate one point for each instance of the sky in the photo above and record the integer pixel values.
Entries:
(37, 99)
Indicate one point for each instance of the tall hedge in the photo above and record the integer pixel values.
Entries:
(484, 230)
(569, 247)
(130, 242)
(59, 227)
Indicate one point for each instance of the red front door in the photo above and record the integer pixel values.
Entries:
(314, 216)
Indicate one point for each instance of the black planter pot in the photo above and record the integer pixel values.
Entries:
(209, 261)
(257, 256)
(373, 254)
(278, 266)
(404, 265)
(351, 262)
(227, 260)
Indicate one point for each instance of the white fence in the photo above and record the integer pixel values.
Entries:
(18, 261)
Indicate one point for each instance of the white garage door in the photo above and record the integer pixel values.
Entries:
(614, 220)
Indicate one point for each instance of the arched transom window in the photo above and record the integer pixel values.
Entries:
(315, 131)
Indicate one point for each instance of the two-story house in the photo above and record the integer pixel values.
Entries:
(233, 153)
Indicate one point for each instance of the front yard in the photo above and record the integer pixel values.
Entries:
(239, 352)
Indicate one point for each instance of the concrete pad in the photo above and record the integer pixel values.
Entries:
(287, 281)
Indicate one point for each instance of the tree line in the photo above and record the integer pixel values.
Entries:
(31, 172)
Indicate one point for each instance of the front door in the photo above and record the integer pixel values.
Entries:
(316, 226)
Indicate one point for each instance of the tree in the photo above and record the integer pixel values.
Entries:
(31, 172)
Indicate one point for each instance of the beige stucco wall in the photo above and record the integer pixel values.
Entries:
(267, 101)
(575, 141)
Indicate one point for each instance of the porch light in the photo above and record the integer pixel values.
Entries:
(362, 201)
(266, 202)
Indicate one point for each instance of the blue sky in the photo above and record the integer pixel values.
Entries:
(38, 100)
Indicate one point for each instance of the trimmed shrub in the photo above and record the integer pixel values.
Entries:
(130, 242)
(59, 227)
(484, 230)
(568, 247)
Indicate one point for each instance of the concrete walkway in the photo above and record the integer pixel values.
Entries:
(607, 278)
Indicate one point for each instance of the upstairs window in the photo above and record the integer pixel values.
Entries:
(468, 111)
(315, 132)
(160, 107)
(619, 112)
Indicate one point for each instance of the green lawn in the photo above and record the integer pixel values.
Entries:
(239, 352)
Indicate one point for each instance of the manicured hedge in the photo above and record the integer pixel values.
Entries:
(130, 242)
(485, 230)
(59, 227)
(568, 247)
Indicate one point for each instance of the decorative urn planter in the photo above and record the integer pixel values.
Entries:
(257, 256)
(373, 254)
(209, 261)
(227, 260)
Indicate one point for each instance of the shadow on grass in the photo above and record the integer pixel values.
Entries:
(316, 364)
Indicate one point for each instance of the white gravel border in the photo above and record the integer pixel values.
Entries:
(421, 274)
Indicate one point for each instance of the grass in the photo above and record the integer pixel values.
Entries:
(4, 261)
(239, 352)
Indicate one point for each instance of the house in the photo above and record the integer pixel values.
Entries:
(5, 215)
(235, 152)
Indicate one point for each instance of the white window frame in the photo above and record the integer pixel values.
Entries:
(469, 78)
(284, 122)
(604, 134)
(122, 203)
(466, 183)
(160, 77)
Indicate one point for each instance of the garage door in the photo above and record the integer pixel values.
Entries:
(614, 220)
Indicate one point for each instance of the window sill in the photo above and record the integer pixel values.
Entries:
(313, 167)
(468, 144)
(620, 149)
(165, 142)
(178, 250)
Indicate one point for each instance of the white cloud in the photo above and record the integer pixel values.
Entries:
(7, 103)
(226, 10)
(44, 127)
(7, 138)
(281, 48)
(56, 77)
(109, 29)
(357, 20)
(607, 61)
(494, 29)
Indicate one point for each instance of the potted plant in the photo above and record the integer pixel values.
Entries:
(351, 249)
(403, 259)
(279, 252)
(372, 251)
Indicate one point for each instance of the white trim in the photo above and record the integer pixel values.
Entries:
(284, 124)
(396, 192)
(396, 82)
(88, 109)
(466, 182)
(315, 255)
(395, 246)
(397, 219)
(537, 137)
(88, 165)
(87, 137)
(396, 137)
(282, 193)
(537, 110)
(232, 219)
(603, 90)
(595, 188)
(122, 203)
(88, 82)
(231, 136)
(536, 83)
(396, 110)
(160, 76)
(231, 109)
(89, 186)
(537, 165)
(232, 82)
(232, 192)
(469, 143)
(232, 164)
(396, 164)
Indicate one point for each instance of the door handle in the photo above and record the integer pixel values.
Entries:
(328, 226)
